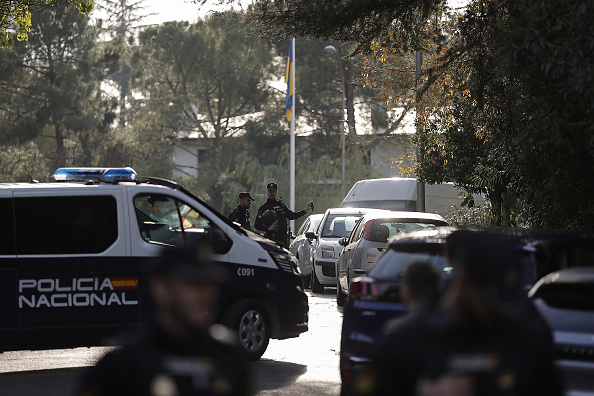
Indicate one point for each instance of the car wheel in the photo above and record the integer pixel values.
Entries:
(316, 287)
(249, 319)
(341, 297)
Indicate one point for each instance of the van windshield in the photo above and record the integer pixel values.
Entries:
(397, 205)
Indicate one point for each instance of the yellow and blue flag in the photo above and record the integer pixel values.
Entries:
(290, 84)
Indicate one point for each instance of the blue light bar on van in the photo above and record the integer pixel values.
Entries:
(108, 175)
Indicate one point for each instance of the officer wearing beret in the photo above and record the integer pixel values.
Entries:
(183, 352)
(277, 231)
(241, 214)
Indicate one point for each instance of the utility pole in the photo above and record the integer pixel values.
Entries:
(332, 49)
(420, 153)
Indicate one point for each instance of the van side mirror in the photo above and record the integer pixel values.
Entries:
(218, 240)
(311, 235)
(343, 241)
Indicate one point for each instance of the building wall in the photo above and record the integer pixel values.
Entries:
(187, 154)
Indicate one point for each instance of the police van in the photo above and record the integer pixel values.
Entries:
(74, 261)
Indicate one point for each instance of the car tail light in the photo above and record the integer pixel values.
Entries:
(363, 290)
(367, 230)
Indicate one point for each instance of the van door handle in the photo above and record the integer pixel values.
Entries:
(99, 274)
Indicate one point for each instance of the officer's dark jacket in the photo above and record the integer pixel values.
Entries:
(283, 214)
(510, 359)
(158, 360)
(241, 215)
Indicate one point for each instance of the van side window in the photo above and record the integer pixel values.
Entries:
(165, 220)
(65, 225)
(6, 227)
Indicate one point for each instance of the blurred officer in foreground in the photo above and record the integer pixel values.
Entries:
(241, 214)
(277, 230)
(182, 353)
(421, 286)
(475, 342)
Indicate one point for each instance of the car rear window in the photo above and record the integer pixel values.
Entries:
(391, 265)
(384, 229)
(576, 296)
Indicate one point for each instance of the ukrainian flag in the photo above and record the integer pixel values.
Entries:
(290, 84)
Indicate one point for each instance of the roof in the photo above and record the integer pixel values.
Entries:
(23, 186)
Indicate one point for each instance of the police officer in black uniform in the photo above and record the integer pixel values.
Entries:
(277, 231)
(241, 214)
(183, 353)
(482, 338)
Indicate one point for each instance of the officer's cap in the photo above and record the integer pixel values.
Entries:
(492, 260)
(247, 195)
(190, 263)
(272, 186)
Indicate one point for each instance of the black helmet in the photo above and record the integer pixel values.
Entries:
(269, 217)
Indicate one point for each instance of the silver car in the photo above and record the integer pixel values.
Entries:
(368, 240)
(302, 248)
(336, 224)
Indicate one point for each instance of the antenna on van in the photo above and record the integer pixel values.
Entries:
(31, 180)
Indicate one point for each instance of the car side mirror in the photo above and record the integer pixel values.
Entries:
(311, 235)
(343, 241)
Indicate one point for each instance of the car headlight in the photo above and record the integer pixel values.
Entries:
(327, 252)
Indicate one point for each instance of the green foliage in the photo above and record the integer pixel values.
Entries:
(360, 21)
(198, 80)
(477, 216)
(23, 163)
(51, 92)
(546, 47)
(18, 13)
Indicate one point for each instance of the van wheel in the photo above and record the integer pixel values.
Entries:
(341, 297)
(250, 320)
(316, 287)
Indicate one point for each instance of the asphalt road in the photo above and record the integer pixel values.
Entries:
(307, 365)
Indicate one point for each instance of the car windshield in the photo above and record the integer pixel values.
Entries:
(339, 225)
(391, 265)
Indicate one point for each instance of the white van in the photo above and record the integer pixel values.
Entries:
(399, 193)
(74, 261)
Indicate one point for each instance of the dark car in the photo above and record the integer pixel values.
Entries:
(375, 298)
(566, 301)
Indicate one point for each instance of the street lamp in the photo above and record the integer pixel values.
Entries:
(332, 49)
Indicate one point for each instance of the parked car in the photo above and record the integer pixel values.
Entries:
(368, 240)
(566, 300)
(302, 248)
(337, 223)
(375, 297)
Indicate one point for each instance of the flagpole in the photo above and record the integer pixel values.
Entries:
(292, 139)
